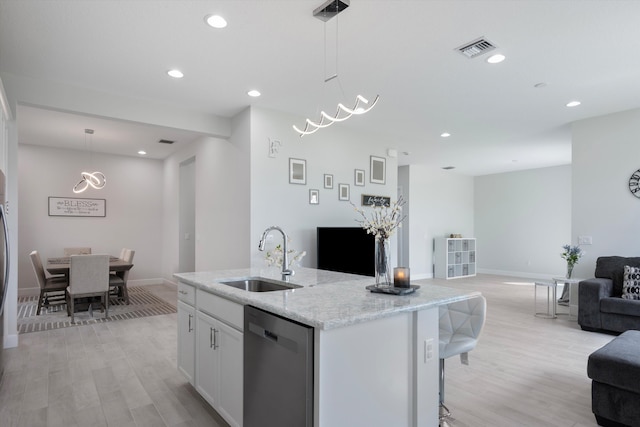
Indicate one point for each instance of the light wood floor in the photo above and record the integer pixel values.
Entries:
(113, 374)
(525, 371)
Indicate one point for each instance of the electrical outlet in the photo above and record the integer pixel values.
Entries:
(428, 350)
(585, 240)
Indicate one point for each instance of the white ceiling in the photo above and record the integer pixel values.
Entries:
(403, 50)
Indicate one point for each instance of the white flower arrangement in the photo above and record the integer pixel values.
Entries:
(275, 257)
(384, 220)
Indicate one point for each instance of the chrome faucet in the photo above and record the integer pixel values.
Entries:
(286, 272)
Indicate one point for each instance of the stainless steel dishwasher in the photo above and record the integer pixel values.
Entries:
(278, 371)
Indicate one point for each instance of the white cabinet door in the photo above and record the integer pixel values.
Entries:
(186, 340)
(230, 374)
(207, 360)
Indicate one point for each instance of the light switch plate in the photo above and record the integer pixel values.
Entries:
(585, 240)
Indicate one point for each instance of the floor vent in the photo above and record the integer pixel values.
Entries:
(166, 141)
(476, 48)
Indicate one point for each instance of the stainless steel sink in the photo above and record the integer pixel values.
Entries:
(258, 284)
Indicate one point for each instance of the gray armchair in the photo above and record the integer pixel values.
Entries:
(600, 303)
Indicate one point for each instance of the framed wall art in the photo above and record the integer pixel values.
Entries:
(69, 206)
(358, 177)
(328, 181)
(314, 197)
(297, 171)
(378, 169)
(343, 191)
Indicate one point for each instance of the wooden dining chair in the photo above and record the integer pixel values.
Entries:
(77, 251)
(118, 281)
(52, 289)
(88, 277)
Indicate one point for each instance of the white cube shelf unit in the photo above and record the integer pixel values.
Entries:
(454, 258)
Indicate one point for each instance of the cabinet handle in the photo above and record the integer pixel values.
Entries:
(182, 292)
(213, 338)
(190, 328)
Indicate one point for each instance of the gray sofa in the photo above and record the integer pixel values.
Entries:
(600, 306)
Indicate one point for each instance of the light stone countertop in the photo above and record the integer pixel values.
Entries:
(327, 299)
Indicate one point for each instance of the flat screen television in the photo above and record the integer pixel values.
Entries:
(346, 249)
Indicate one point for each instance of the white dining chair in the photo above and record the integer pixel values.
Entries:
(88, 277)
(460, 325)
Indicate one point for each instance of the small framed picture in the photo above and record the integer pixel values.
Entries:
(297, 171)
(314, 197)
(328, 181)
(343, 191)
(378, 170)
(358, 178)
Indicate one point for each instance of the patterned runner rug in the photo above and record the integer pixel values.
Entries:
(142, 304)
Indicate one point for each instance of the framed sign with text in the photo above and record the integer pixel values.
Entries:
(369, 200)
(70, 206)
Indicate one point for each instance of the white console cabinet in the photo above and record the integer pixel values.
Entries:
(454, 257)
(210, 349)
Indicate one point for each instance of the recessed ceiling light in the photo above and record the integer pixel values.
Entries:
(142, 152)
(215, 21)
(573, 104)
(176, 74)
(445, 134)
(495, 59)
(254, 93)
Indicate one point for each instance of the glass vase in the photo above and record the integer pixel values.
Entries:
(569, 270)
(382, 263)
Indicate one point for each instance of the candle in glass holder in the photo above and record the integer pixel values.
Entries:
(401, 277)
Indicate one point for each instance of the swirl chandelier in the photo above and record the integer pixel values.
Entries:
(325, 12)
(95, 179)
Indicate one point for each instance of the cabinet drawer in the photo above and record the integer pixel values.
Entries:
(229, 312)
(186, 293)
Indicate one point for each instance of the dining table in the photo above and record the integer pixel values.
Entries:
(60, 265)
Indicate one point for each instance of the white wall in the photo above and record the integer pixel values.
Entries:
(439, 203)
(334, 150)
(606, 151)
(133, 209)
(522, 220)
(221, 199)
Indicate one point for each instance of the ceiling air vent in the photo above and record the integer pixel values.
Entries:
(476, 48)
(166, 141)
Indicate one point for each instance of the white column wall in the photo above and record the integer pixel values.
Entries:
(605, 153)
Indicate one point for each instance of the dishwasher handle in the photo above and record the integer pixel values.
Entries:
(270, 335)
(273, 337)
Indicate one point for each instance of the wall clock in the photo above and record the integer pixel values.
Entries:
(634, 183)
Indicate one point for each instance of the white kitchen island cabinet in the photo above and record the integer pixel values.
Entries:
(375, 355)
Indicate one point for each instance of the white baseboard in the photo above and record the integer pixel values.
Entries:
(524, 275)
(10, 341)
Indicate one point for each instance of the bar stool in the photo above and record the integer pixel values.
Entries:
(551, 303)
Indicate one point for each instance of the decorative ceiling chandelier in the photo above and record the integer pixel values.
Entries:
(325, 12)
(95, 179)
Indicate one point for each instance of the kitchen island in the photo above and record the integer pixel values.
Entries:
(375, 355)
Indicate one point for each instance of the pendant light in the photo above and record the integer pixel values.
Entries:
(95, 179)
(325, 12)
